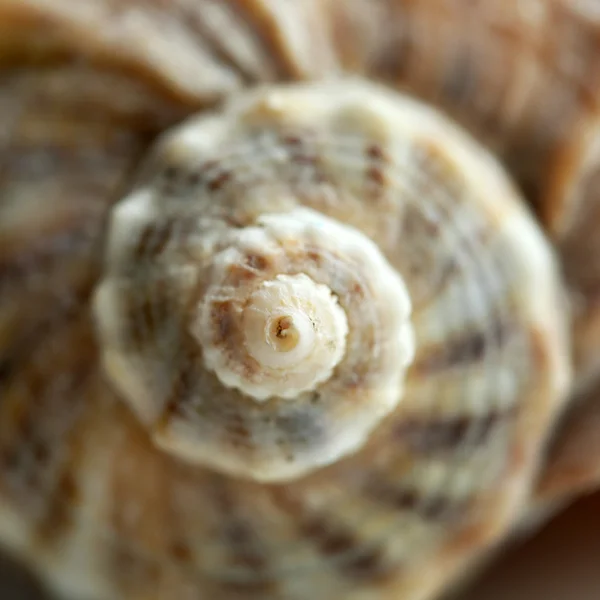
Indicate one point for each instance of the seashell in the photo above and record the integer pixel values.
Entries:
(292, 300)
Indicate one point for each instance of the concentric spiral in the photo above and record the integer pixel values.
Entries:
(325, 346)
(330, 302)
(274, 348)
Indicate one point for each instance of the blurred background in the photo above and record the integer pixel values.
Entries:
(560, 562)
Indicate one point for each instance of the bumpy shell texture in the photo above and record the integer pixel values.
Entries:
(309, 343)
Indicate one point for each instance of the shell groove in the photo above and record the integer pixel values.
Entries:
(107, 513)
(85, 495)
(523, 76)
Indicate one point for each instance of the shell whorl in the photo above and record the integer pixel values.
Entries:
(442, 363)
(293, 335)
(247, 315)
(93, 491)
(264, 310)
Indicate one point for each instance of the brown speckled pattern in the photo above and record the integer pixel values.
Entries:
(82, 488)
(106, 495)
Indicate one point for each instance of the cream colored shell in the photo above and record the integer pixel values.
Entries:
(134, 444)
(227, 301)
(403, 243)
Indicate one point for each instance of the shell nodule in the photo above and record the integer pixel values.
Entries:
(331, 341)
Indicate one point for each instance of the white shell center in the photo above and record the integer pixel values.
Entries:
(294, 323)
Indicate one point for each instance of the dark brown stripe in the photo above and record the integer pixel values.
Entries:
(438, 508)
(334, 541)
(46, 303)
(155, 239)
(142, 247)
(137, 331)
(44, 251)
(376, 177)
(375, 152)
(375, 172)
(218, 181)
(368, 564)
(470, 347)
(171, 179)
(245, 548)
(301, 426)
(179, 179)
(19, 351)
(237, 432)
(257, 262)
(223, 321)
(42, 445)
(342, 549)
(430, 436)
(147, 310)
(331, 539)
(304, 153)
(146, 320)
(184, 384)
(300, 149)
(243, 543)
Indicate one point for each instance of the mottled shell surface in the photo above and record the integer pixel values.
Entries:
(292, 294)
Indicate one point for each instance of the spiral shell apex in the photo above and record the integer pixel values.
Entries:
(324, 315)
(267, 312)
